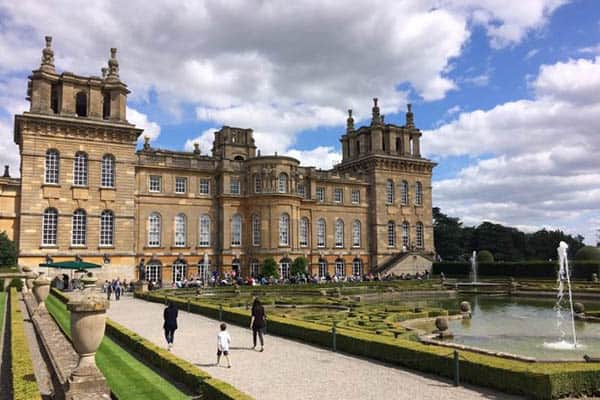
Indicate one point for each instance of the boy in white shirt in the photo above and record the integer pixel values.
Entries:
(223, 341)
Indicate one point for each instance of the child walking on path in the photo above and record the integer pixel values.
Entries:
(223, 341)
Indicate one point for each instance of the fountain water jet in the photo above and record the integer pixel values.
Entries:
(474, 267)
(563, 275)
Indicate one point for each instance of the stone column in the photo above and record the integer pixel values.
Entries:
(88, 322)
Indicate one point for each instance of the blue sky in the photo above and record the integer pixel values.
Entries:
(507, 97)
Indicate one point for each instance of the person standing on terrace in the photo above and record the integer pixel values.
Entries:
(258, 322)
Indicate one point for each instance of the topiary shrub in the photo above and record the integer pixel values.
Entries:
(269, 268)
(299, 266)
(588, 253)
(485, 256)
(8, 251)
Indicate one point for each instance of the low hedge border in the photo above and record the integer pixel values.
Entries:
(24, 384)
(535, 380)
(177, 369)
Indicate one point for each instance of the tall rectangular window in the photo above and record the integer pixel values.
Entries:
(154, 230)
(107, 226)
(257, 183)
(236, 230)
(356, 233)
(49, 227)
(405, 235)
(321, 194)
(155, 183)
(302, 190)
(52, 164)
(234, 186)
(108, 171)
(78, 228)
(255, 230)
(391, 234)
(338, 195)
(304, 232)
(321, 233)
(204, 231)
(180, 230)
(355, 197)
(80, 169)
(180, 185)
(204, 186)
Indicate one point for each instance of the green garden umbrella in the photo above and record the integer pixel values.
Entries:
(76, 265)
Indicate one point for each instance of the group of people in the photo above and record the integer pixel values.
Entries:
(116, 287)
(258, 324)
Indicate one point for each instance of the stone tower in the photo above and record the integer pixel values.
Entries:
(77, 168)
(388, 156)
(234, 144)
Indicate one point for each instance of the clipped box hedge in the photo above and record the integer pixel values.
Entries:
(24, 385)
(176, 368)
(540, 380)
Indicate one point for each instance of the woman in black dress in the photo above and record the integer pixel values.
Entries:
(258, 322)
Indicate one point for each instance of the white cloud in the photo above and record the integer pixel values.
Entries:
(322, 157)
(140, 120)
(205, 140)
(538, 166)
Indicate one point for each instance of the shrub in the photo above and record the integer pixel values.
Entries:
(269, 268)
(485, 256)
(8, 251)
(588, 253)
(17, 283)
(24, 385)
(299, 266)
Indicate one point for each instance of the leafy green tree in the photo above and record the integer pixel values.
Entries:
(8, 251)
(269, 268)
(484, 256)
(299, 266)
(447, 235)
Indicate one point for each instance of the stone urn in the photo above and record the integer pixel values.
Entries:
(41, 290)
(88, 321)
(578, 308)
(30, 276)
(465, 307)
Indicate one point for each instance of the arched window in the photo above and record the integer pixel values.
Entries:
(391, 234)
(180, 230)
(179, 270)
(78, 228)
(418, 194)
(80, 169)
(204, 269)
(339, 233)
(389, 192)
(154, 228)
(284, 230)
(357, 268)
(108, 171)
(236, 230)
(106, 106)
(52, 166)
(81, 104)
(284, 268)
(256, 230)
(283, 181)
(404, 193)
(153, 271)
(321, 232)
(107, 228)
(204, 236)
(356, 233)
(49, 227)
(254, 268)
(257, 183)
(340, 267)
(322, 268)
(419, 236)
(303, 232)
(405, 235)
(238, 158)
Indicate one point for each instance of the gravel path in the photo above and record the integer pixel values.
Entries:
(286, 369)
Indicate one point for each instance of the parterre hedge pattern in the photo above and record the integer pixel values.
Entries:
(177, 369)
(534, 380)
(24, 385)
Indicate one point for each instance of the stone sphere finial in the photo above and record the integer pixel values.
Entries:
(465, 307)
(441, 323)
(578, 308)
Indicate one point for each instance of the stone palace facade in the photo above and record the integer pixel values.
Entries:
(86, 191)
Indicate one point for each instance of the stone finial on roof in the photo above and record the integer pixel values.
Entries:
(350, 122)
(113, 64)
(48, 56)
(196, 148)
(376, 119)
(104, 72)
(410, 120)
(6, 172)
(146, 142)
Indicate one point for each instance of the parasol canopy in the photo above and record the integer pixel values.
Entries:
(76, 265)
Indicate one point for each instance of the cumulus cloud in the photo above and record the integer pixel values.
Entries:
(323, 157)
(533, 163)
(205, 140)
(140, 120)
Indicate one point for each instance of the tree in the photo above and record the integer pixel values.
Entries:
(447, 235)
(269, 268)
(299, 266)
(8, 251)
(484, 256)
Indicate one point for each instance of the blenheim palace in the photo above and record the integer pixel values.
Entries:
(86, 191)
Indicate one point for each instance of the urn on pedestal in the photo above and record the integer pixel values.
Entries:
(41, 290)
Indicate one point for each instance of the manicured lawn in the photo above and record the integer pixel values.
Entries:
(127, 377)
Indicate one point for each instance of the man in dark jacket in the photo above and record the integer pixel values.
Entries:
(170, 325)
